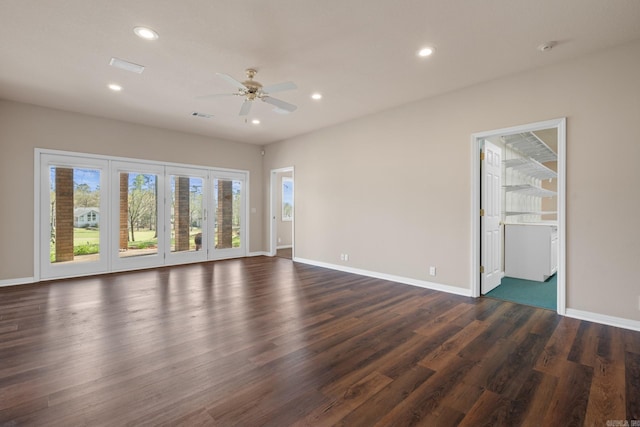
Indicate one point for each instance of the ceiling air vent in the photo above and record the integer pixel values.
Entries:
(201, 115)
(126, 65)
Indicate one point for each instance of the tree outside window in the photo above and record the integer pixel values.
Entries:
(287, 198)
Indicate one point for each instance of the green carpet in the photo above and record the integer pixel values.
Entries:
(538, 294)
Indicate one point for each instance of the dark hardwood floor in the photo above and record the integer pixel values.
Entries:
(285, 253)
(265, 341)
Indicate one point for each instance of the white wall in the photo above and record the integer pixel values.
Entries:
(25, 127)
(393, 189)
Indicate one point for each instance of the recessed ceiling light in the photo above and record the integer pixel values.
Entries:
(145, 33)
(255, 121)
(115, 87)
(316, 96)
(426, 51)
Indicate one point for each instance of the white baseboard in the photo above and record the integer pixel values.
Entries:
(18, 281)
(284, 247)
(391, 277)
(259, 253)
(618, 322)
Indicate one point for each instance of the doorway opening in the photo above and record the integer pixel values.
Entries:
(518, 214)
(282, 213)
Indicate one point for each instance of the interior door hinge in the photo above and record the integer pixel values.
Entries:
(481, 269)
(481, 156)
(481, 212)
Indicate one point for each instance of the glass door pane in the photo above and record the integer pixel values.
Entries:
(228, 221)
(138, 214)
(186, 212)
(72, 217)
(137, 209)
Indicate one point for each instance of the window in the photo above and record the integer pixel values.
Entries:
(287, 198)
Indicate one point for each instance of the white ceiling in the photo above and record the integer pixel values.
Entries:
(361, 54)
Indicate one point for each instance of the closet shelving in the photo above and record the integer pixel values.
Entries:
(515, 213)
(531, 146)
(531, 168)
(534, 152)
(530, 190)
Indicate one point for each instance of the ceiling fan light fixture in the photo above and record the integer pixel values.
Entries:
(146, 33)
(114, 87)
(317, 96)
(426, 51)
(255, 121)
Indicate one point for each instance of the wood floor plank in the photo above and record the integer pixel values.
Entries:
(606, 398)
(509, 378)
(426, 399)
(335, 409)
(438, 358)
(267, 341)
(553, 359)
(379, 405)
(490, 410)
(571, 397)
(531, 404)
(632, 382)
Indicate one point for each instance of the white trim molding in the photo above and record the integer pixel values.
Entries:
(560, 125)
(17, 281)
(258, 253)
(274, 187)
(604, 319)
(399, 279)
(284, 247)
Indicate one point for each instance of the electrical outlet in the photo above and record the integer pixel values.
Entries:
(432, 271)
(346, 257)
(279, 240)
(341, 257)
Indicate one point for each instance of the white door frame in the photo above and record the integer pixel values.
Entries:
(273, 209)
(42, 235)
(476, 138)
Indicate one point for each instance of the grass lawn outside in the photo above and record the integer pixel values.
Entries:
(86, 241)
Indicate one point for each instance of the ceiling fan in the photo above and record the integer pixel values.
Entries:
(252, 90)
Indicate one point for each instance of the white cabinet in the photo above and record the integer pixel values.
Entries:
(531, 251)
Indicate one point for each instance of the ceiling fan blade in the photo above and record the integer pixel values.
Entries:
(279, 103)
(246, 107)
(215, 95)
(233, 81)
(279, 87)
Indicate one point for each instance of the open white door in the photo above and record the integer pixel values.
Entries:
(491, 204)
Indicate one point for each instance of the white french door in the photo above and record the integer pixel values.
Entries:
(137, 215)
(186, 210)
(73, 216)
(227, 224)
(99, 214)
